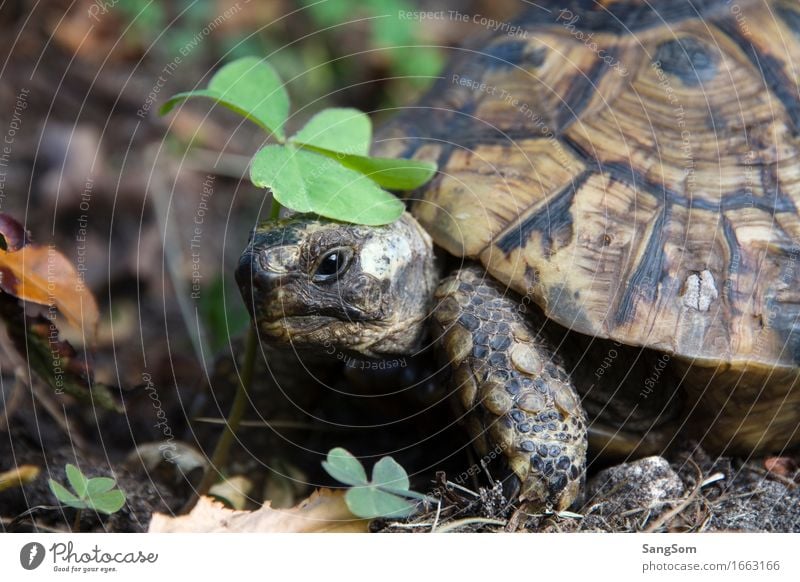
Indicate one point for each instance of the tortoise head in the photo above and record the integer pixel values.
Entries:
(318, 283)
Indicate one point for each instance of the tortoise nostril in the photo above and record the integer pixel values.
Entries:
(261, 270)
(249, 272)
(277, 260)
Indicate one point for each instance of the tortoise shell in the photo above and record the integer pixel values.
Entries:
(630, 166)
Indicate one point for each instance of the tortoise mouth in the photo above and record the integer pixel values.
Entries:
(291, 328)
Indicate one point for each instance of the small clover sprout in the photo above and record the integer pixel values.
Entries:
(97, 493)
(325, 168)
(386, 495)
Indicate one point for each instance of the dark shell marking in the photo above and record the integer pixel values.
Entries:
(627, 184)
(520, 397)
(688, 58)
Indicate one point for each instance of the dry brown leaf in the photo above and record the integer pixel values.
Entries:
(782, 466)
(42, 275)
(324, 512)
(90, 30)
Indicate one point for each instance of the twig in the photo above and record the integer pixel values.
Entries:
(791, 484)
(408, 525)
(438, 513)
(12, 522)
(274, 424)
(469, 521)
(220, 456)
(464, 489)
(633, 511)
(688, 500)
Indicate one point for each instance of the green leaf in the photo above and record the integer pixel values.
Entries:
(371, 502)
(65, 496)
(344, 130)
(383, 497)
(344, 467)
(389, 473)
(251, 88)
(329, 12)
(305, 181)
(391, 173)
(77, 480)
(419, 64)
(99, 485)
(108, 502)
(389, 31)
(276, 167)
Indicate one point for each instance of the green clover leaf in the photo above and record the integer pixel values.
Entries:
(391, 173)
(64, 496)
(251, 88)
(77, 481)
(344, 467)
(337, 130)
(370, 502)
(325, 168)
(387, 494)
(97, 493)
(108, 502)
(345, 135)
(306, 181)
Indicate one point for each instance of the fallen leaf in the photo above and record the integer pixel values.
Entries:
(323, 512)
(42, 275)
(783, 466)
(13, 235)
(18, 476)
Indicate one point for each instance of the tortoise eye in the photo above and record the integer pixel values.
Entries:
(333, 264)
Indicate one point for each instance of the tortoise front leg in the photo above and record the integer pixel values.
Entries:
(515, 394)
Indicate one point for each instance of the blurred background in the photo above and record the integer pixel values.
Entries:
(156, 210)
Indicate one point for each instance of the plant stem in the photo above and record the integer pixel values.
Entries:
(275, 211)
(76, 523)
(220, 456)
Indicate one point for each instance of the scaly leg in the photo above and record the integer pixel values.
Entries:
(514, 392)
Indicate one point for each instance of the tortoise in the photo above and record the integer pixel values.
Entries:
(607, 256)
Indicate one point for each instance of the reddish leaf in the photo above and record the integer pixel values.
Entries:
(783, 466)
(13, 235)
(42, 275)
